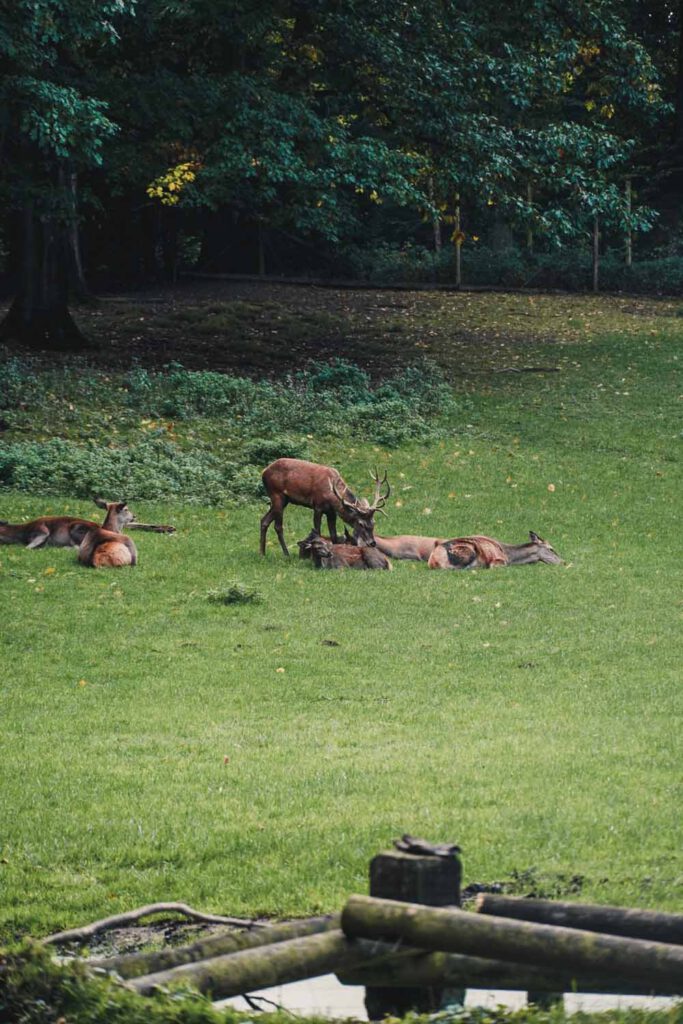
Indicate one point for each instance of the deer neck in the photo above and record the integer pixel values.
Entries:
(112, 521)
(521, 554)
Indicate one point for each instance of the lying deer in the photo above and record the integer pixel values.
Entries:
(486, 553)
(61, 531)
(304, 545)
(326, 555)
(105, 546)
(296, 482)
(417, 549)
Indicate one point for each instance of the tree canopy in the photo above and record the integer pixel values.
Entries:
(308, 115)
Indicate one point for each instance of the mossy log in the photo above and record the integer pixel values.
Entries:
(542, 945)
(134, 965)
(635, 924)
(453, 970)
(277, 964)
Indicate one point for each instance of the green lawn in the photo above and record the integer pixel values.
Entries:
(158, 746)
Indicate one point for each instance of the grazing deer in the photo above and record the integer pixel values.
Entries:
(61, 531)
(296, 482)
(417, 549)
(326, 555)
(105, 546)
(486, 553)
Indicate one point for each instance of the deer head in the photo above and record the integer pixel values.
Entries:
(359, 513)
(546, 553)
(118, 514)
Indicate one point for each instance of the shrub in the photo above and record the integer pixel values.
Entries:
(263, 451)
(234, 593)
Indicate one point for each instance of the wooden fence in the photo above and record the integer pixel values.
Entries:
(410, 940)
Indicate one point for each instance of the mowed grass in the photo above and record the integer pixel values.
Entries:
(251, 759)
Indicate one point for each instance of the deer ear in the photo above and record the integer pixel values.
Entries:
(535, 538)
(120, 505)
(100, 502)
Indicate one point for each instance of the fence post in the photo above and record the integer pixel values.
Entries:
(415, 878)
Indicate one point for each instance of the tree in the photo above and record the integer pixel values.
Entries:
(52, 125)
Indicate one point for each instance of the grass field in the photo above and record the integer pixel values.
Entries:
(250, 759)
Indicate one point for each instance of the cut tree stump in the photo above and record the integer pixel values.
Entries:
(432, 878)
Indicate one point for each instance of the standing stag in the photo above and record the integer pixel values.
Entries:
(296, 482)
(486, 553)
(105, 546)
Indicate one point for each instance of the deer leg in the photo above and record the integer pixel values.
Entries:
(332, 525)
(274, 514)
(317, 520)
(39, 537)
(280, 533)
(265, 523)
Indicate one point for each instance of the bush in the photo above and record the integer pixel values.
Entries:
(335, 399)
(234, 593)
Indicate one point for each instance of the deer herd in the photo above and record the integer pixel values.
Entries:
(321, 488)
(291, 482)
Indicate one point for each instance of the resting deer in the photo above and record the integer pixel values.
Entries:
(105, 546)
(304, 545)
(486, 553)
(296, 482)
(326, 555)
(417, 549)
(61, 531)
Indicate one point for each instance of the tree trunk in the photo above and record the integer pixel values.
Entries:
(134, 965)
(635, 924)
(542, 945)
(77, 284)
(253, 969)
(39, 315)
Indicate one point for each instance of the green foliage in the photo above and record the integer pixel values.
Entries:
(153, 468)
(234, 593)
(568, 268)
(39, 990)
(336, 399)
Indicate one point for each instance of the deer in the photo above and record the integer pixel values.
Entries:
(487, 553)
(105, 546)
(326, 555)
(416, 549)
(322, 488)
(304, 545)
(61, 531)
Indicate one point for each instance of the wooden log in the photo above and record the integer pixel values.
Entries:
(459, 931)
(635, 924)
(278, 964)
(416, 878)
(134, 965)
(453, 970)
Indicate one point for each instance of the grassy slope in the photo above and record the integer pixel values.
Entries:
(531, 714)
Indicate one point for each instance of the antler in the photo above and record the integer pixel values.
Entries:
(340, 497)
(380, 500)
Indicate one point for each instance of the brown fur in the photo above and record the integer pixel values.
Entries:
(106, 546)
(326, 555)
(407, 546)
(479, 552)
(47, 531)
(297, 482)
(111, 554)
